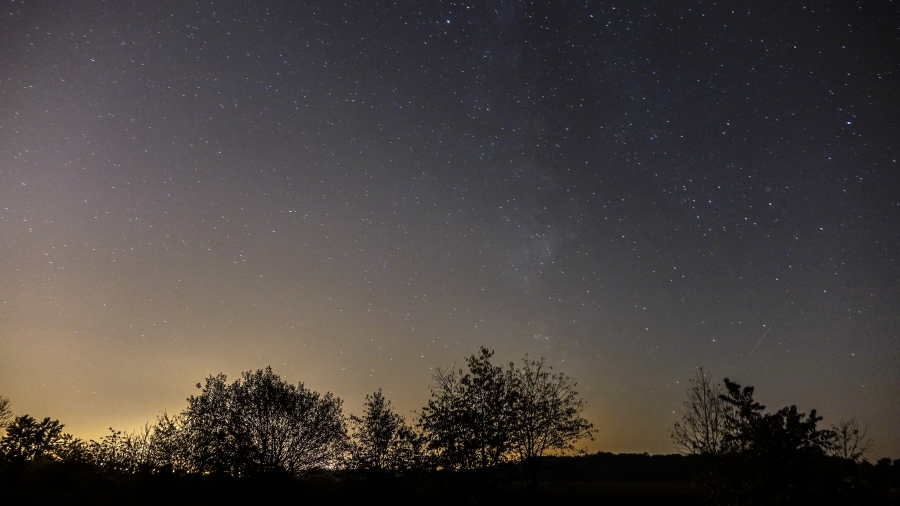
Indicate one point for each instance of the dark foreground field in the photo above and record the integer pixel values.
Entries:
(598, 479)
(224, 492)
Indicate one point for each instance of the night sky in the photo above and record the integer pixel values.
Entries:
(359, 192)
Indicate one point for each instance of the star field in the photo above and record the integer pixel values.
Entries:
(358, 192)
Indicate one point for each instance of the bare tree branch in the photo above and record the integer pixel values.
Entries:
(702, 428)
(849, 441)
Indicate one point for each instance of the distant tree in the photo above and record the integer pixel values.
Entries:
(546, 416)
(703, 426)
(262, 424)
(26, 439)
(849, 441)
(467, 422)
(380, 439)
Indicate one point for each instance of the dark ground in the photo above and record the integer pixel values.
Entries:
(602, 478)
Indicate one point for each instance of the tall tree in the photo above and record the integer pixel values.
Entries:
(170, 445)
(703, 426)
(380, 439)
(489, 416)
(467, 420)
(546, 415)
(743, 417)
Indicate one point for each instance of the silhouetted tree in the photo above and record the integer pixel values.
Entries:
(849, 442)
(742, 417)
(127, 453)
(785, 431)
(749, 456)
(28, 439)
(546, 416)
(170, 446)
(380, 439)
(489, 416)
(262, 424)
(770, 458)
(467, 422)
(702, 429)
(705, 431)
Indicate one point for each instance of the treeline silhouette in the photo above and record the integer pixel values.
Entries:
(488, 434)
(745, 455)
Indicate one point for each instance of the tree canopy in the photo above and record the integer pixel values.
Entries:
(547, 415)
(702, 429)
(380, 439)
(260, 424)
(488, 416)
(752, 456)
(29, 439)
